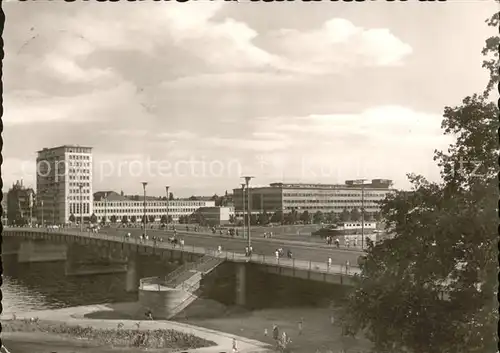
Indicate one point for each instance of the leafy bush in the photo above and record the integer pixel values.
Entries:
(156, 339)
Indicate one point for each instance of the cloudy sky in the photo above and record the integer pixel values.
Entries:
(194, 95)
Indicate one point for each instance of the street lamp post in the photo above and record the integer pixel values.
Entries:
(145, 220)
(54, 209)
(105, 208)
(243, 207)
(247, 182)
(168, 202)
(362, 182)
(80, 185)
(41, 204)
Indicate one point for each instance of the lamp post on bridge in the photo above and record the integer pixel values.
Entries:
(105, 208)
(247, 182)
(243, 207)
(362, 183)
(80, 185)
(168, 203)
(144, 183)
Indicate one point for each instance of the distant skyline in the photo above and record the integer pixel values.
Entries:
(194, 95)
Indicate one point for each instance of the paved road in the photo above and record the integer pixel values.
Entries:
(301, 250)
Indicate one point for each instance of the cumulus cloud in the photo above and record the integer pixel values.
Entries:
(337, 44)
(28, 107)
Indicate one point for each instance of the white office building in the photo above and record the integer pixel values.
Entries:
(111, 205)
(64, 183)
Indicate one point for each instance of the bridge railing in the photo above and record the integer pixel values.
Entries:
(234, 256)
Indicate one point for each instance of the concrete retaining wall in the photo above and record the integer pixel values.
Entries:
(163, 304)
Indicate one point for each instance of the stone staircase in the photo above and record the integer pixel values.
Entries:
(187, 279)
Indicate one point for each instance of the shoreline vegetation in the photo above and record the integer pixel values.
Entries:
(166, 339)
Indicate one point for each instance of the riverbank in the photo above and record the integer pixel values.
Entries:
(121, 334)
(318, 334)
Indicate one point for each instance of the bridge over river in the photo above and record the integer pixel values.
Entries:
(181, 287)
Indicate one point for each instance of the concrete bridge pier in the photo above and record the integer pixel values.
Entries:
(132, 277)
(241, 284)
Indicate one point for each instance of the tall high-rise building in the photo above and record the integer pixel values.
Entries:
(64, 183)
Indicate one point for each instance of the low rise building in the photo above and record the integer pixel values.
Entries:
(215, 216)
(326, 198)
(110, 205)
(20, 202)
(4, 209)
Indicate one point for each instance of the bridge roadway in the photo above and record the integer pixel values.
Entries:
(301, 250)
(309, 257)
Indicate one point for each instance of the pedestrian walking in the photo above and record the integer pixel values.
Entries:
(301, 323)
(182, 243)
(265, 332)
(347, 267)
(235, 348)
(246, 251)
(250, 251)
(277, 253)
(219, 249)
(276, 332)
(329, 262)
(355, 242)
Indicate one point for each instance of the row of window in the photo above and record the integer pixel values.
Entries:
(77, 184)
(322, 195)
(320, 208)
(139, 210)
(175, 217)
(80, 170)
(151, 203)
(301, 202)
(79, 157)
(77, 198)
(74, 208)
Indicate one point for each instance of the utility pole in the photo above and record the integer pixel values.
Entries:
(243, 207)
(247, 182)
(145, 218)
(168, 202)
(80, 185)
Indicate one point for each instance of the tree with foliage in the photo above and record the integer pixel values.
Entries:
(368, 217)
(355, 215)
(113, 219)
(345, 216)
(330, 217)
(305, 217)
(143, 219)
(277, 217)
(163, 219)
(292, 217)
(124, 219)
(253, 219)
(171, 196)
(103, 220)
(133, 219)
(72, 218)
(151, 219)
(93, 218)
(432, 287)
(170, 219)
(263, 218)
(318, 217)
(232, 218)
